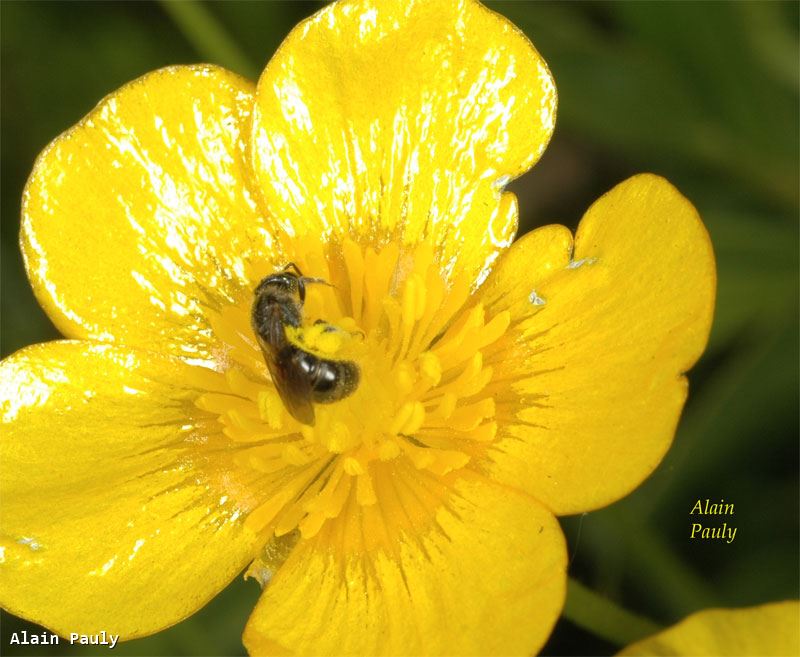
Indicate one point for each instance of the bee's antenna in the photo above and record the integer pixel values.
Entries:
(306, 279)
(297, 271)
(322, 281)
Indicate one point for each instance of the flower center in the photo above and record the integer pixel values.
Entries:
(422, 408)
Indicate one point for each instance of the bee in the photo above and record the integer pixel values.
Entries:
(301, 378)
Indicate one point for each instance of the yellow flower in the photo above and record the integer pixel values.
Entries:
(771, 630)
(150, 459)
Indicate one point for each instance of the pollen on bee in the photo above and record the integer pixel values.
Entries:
(323, 338)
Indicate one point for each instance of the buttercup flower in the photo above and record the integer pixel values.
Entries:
(149, 459)
(771, 630)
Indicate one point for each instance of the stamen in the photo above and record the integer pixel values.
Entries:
(365, 493)
(431, 367)
(271, 408)
(354, 261)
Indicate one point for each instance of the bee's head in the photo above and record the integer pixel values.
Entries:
(285, 283)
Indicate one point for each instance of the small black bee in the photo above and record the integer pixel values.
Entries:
(300, 377)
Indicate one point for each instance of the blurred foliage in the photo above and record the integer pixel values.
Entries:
(704, 93)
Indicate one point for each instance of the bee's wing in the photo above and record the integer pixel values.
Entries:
(294, 389)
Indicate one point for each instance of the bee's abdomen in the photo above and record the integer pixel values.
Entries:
(331, 380)
(336, 380)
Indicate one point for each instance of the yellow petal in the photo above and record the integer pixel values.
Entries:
(112, 517)
(402, 121)
(139, 218)
(598, 345)
(486, 577)
(771, 630)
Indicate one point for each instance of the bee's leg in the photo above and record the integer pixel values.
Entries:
(329, 328)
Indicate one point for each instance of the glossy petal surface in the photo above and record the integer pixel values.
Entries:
(486, 577)
(112, 516)
(138, 219)
(771, 630)
(598, 344)
(402, 121)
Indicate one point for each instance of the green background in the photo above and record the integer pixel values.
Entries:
(705, 94)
